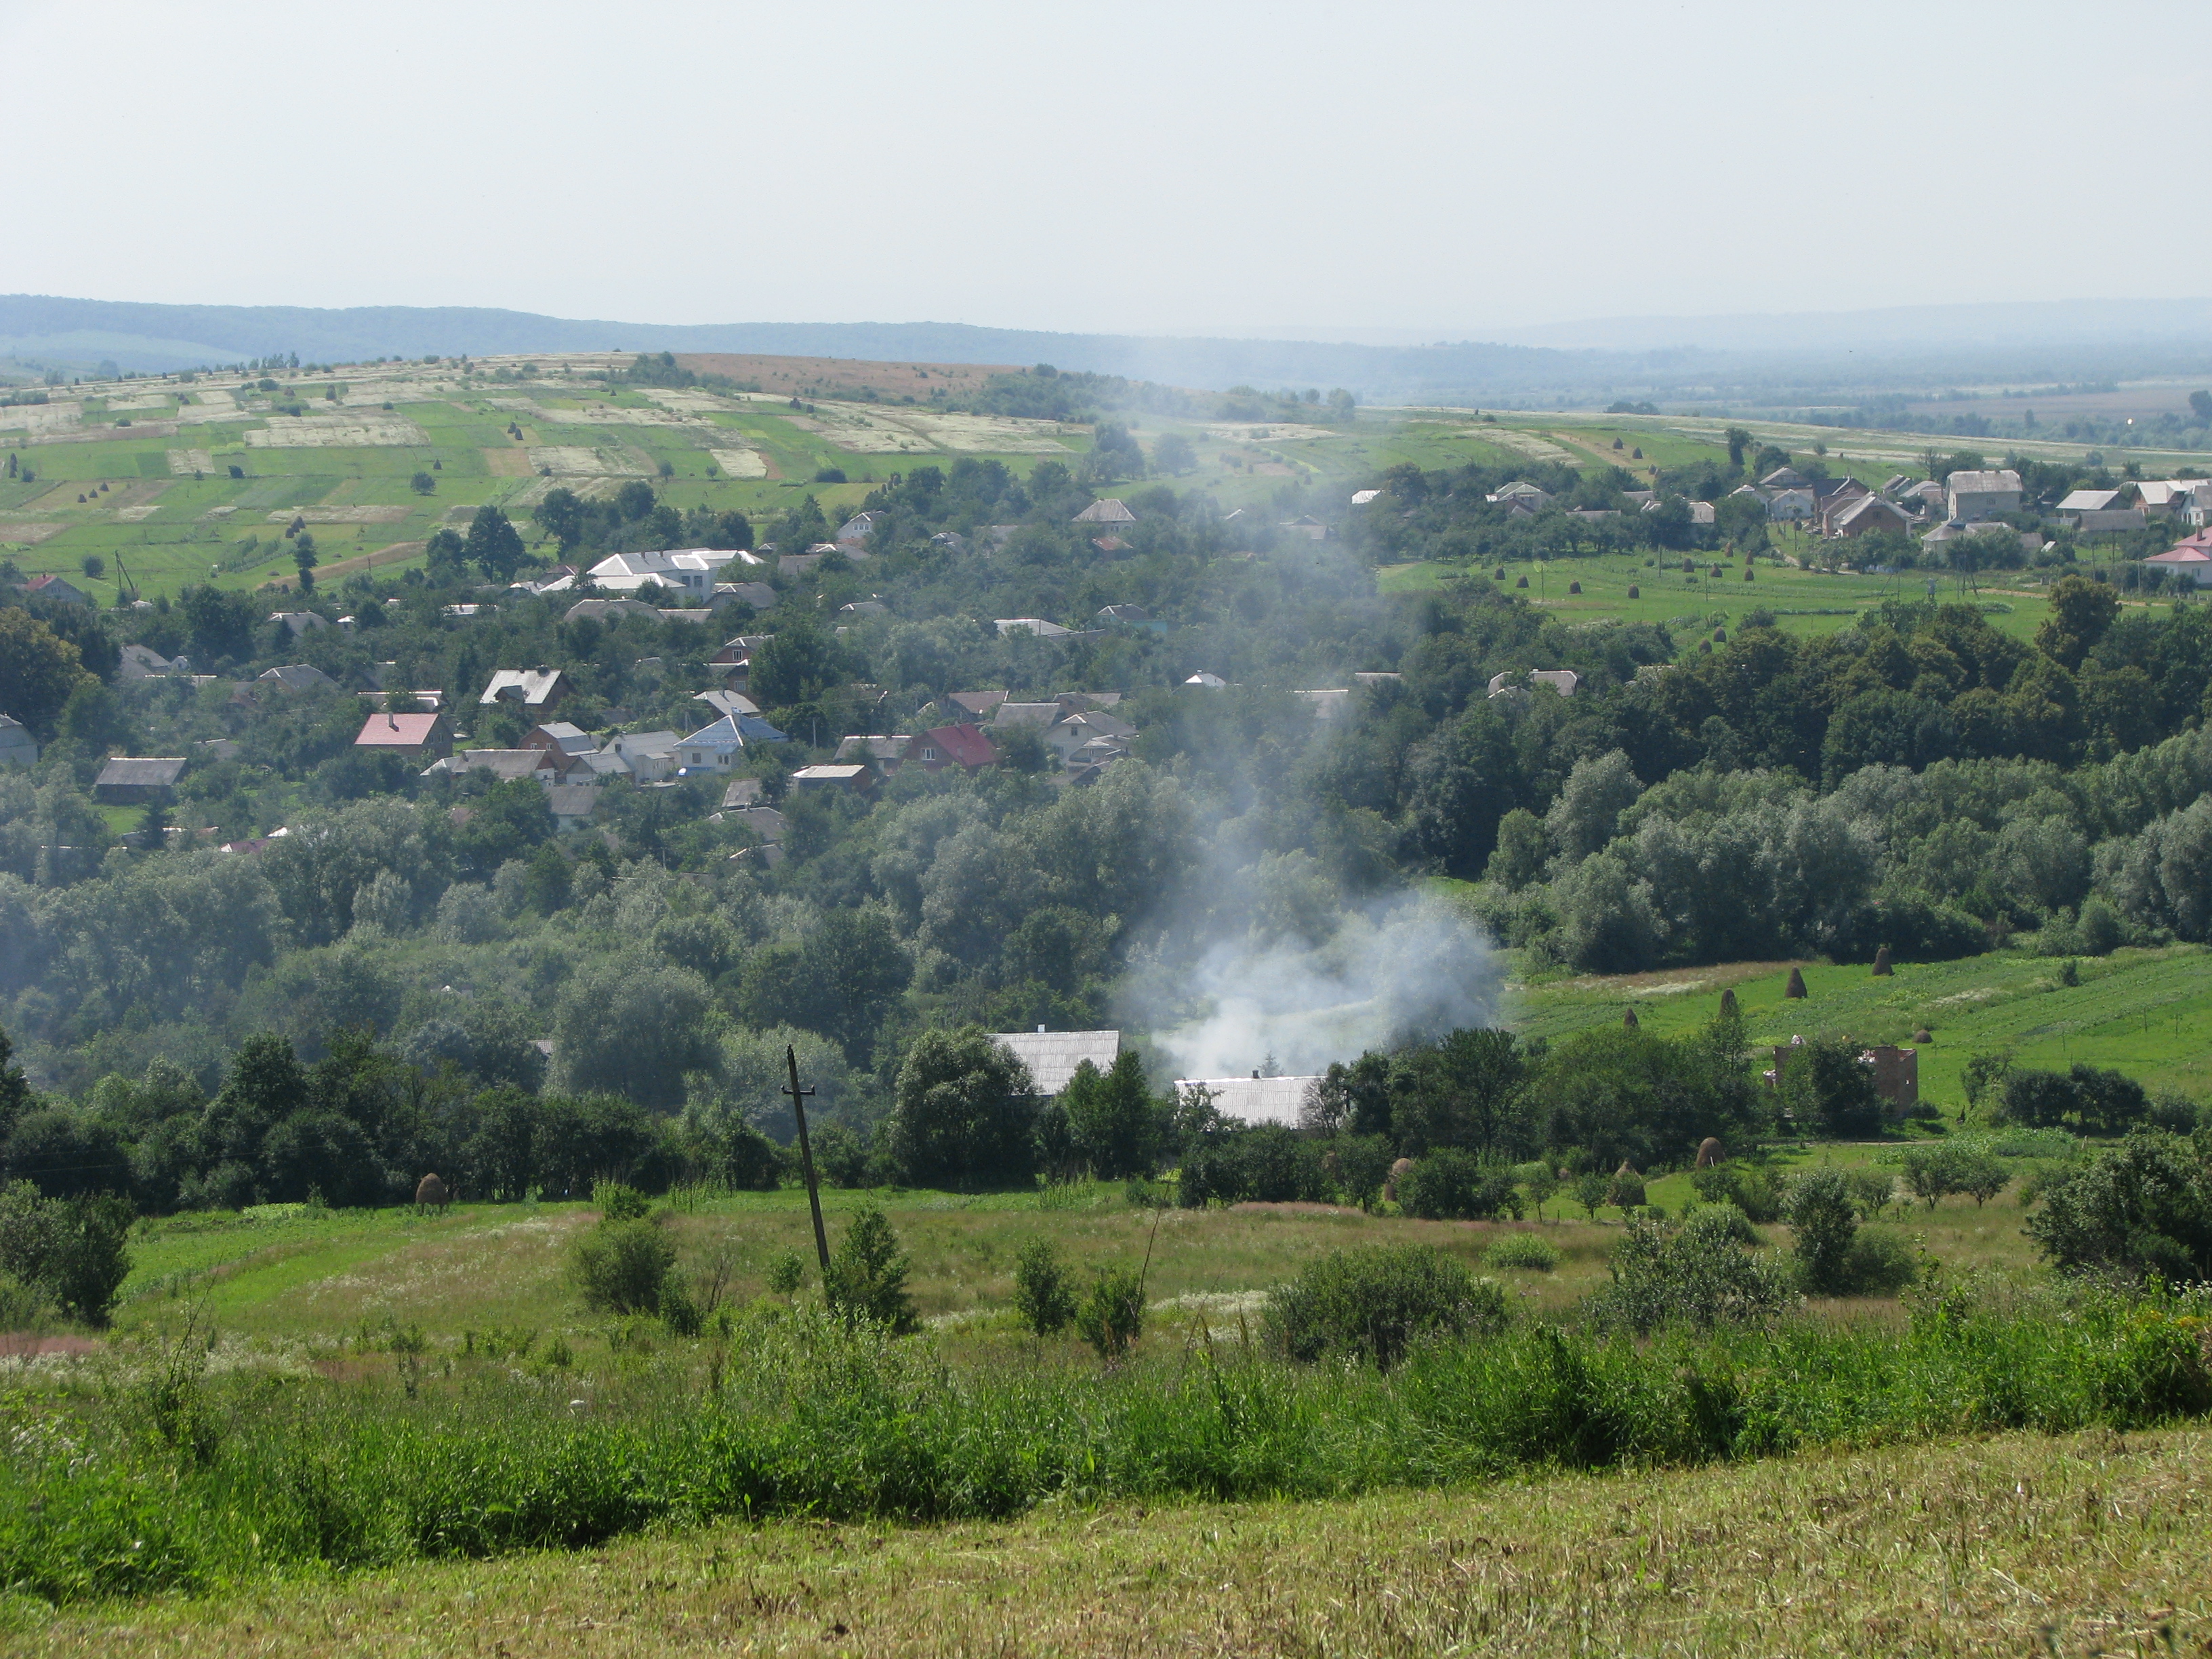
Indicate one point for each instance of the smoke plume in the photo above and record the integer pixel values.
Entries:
(1413, 969)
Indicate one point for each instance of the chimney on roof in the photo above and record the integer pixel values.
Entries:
(1255, 1077)
(1040, 1031)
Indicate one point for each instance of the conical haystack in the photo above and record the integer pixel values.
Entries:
(1628, 1018)
(1881, 962)
(1708, 1152)
(1796, 985)
(1727, 1000)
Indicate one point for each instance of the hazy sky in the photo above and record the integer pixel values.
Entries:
(1445, 169)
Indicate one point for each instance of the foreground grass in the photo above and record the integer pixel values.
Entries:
(2095, 1543)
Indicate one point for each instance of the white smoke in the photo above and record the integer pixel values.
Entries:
(1415, 967)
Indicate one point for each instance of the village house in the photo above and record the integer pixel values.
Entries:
(1076, 730)
(1125, 613)
(1051, 1057)
(54, 588)
(293, 677)
(140, 663)
(534, 688)
(855, 531)
(1520, 492)
(716, 748)
(963, 746)
(1868, 512)
(415, 737)
(886, 753)
(1254, 1099)
(1039, 715)
(572, 804)
(1109, 510)
(1037, 625)
(1973, 496)
(134, 780)
(1793, 505)
(2191, 554)
(559, 734)
(601, 610)
(692, 570)
(504, 765)
(727, 702)
(2094, 512)
(299, 622)
(818, 778)
(973, 704)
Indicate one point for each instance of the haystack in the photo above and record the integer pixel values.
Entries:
(1881, 962)
(1628, 1018)
(1796, 985)
(1708, 1152)
(1923, 1035)
(1574, 587)
(1399, 1170)
(432, 1191)
(1727, 1000)
(1634, 592)
(1523, 582)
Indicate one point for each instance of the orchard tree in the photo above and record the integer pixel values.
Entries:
(493, 545)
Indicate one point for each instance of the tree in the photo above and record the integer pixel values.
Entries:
(561, 515)
(2082, 612)
(1591, 1191)
(16, 1097)
(422, 483)
(1739, 445)
(1824, 1084)
(218, 623)
(1043, 1295)
(493, 545)
(1524, 846)
(1821, 1215)
(39, 671)
(305, 559)
(633, 1027)
(851, 970)
(1464, 1091)
(1173, 454)
(1113, 1123)
(963, 1112)
(2143, 1207)
(444, 552)
(867, 1273)
(2200, 404)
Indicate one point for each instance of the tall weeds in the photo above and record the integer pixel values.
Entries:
(810, 1415)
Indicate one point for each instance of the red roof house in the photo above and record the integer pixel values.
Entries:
(416, 736)
(964, 746)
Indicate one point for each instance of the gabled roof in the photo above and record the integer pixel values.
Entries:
(1256, 1099)
(568, 739)
(1109, 510)
(733, 731)
(879, 747)
(1125, 613)
(599, 610)
(296, 676)
(1784, 478)
(397, 730)
(1987, 483)
(976, 702)
(140, 772)
(1026, 713)
(2093, 501)
(964, 746)
(533, 688)
(571, 800)
(727, 702)
(1053, 1056)
(1037, 625)
(742, 792)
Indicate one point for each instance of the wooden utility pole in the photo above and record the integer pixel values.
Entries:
(807, 1161)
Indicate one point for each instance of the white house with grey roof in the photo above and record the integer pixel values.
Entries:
(1053, 1056)
(1982, 495)
(1254, 1099)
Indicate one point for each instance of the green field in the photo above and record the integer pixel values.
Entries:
(2142, 1012)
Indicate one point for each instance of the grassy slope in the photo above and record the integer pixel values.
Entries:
(2092, 1544)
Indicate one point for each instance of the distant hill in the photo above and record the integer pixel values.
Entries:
(1804, 358)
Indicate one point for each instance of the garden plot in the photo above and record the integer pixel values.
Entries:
(336, 432)
(41, 417)
(217, 406)
(997, 434)
(590, 490)
(1264, 432)
(1525, 444)
(573, 461)
(139, 514)
(685, 401)
(184, 462)
(370, 393)
(610, 417)
(373, 512)
(142, 400)
(29, 534)
(740, 462)
(847, 427)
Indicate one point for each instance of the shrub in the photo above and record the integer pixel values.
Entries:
(867, 1273)
(1879, 1263)
(751, 1163)
(1362, 1165)
(1378, 1303)
(2142, 1208)
(1696, 1274)
(1541, 1181)
(1727, 1218)
(1452, 1185)
(786, 1273)
(72, 1252)
(1043, 1294)
(1872, 1191)
(1624, 1192)
(1826, 1221)
(1753, 1188)
(1266, 1163)
(1522, 1250)
(623, 1266)
(2086, 1099)
(1591, 1192)
(1112, 1316)
(616, 1203)
(1933, 1173)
